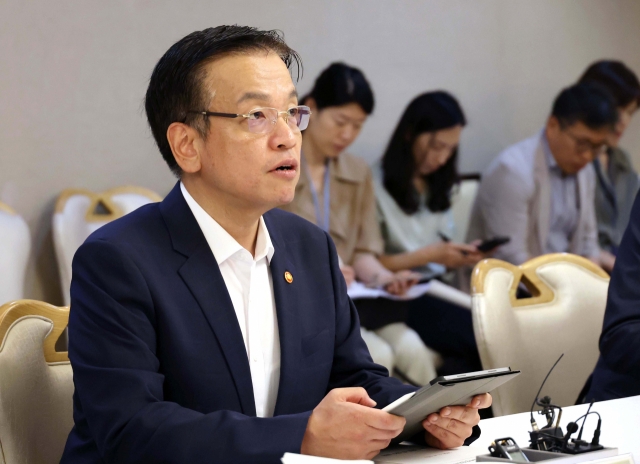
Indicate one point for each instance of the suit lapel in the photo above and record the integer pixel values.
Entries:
(201, 274)
(288, 316)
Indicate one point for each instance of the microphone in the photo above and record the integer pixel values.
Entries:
(572, 428)
(596, 435)
(534, 424)
(578, 445)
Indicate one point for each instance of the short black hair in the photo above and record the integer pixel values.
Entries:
(429, 112)
(621, 81)
(588, 103)
(341, 84)
(175, 86)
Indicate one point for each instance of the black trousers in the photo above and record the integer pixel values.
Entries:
(448, 329)
(443, 326)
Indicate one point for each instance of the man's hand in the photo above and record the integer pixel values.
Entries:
(452, 426)
(346, 426)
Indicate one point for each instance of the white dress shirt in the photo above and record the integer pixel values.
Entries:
(250, 286)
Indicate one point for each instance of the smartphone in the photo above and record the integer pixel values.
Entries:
(491, 243)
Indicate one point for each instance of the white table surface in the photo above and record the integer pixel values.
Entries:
(620, 425)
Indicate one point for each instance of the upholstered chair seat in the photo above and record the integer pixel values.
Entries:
(15, 246)
(79, 213)
(36, 384)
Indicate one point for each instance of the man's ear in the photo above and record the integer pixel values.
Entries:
(186, 145)
(553, 124)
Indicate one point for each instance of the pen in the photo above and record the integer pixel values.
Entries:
(445, 238)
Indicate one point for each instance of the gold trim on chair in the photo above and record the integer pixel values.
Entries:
(6, 209)
(104, 199)
(527, 273)
(59, 316)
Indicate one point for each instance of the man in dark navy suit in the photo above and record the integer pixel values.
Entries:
(210, 327)
(617, 374)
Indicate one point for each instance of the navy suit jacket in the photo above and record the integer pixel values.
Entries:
(617, 374)
(159, 363)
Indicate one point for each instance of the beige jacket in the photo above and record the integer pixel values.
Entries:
(353, 223)
(514, 200)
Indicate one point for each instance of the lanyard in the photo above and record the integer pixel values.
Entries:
(321, 220)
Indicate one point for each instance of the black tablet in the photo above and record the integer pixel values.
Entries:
(451, 390)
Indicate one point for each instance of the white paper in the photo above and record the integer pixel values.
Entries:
(292, 458)
(359, 290)
(409, 454)
(434, 288)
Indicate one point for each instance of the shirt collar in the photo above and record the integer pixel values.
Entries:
(222, 244)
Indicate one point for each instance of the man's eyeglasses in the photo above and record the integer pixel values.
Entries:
(583, 145)
(263, 120)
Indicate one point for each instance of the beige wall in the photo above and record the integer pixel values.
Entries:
(73, 75)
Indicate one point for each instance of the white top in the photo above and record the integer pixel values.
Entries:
(250, 286)
(404, 232)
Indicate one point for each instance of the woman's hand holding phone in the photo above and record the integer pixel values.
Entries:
(453, 255)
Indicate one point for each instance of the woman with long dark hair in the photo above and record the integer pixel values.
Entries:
(335, 191)
(414, 184)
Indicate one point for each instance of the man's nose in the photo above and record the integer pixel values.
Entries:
(283, 136)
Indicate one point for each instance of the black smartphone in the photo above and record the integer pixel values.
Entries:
(491, 243)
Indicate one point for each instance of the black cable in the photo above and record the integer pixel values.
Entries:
(592, 412)
(596, 434)
(543, 382)
(585, 420)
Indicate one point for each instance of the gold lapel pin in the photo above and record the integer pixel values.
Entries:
(288, 277)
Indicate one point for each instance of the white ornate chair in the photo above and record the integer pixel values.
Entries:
(36, 384)
(78, 213)
(461, 203)
(563, 315)
(15, 246)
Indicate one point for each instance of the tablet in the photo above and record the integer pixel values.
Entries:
(450, 390)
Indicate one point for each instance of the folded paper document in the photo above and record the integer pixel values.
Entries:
(434, 288)
(409, 454)
(292, 458)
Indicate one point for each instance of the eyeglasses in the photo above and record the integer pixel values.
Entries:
(263, 120)
(583, 145)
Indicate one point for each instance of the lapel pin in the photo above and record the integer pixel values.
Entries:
(288, 277)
